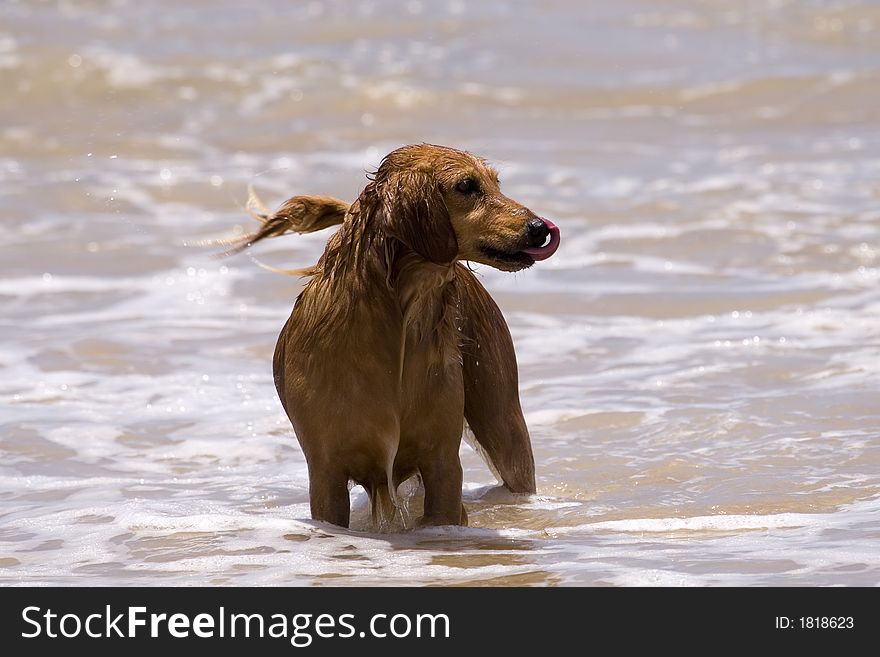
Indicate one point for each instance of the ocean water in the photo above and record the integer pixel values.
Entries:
(699, 363)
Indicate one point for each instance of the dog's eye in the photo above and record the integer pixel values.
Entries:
(467, 186)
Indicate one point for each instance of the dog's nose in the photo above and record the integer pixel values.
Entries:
(537, 232)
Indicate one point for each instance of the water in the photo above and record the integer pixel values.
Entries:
(700, 362)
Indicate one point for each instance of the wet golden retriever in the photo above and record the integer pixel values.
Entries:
(393, 344)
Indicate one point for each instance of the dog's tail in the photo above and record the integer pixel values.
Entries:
(300, 214)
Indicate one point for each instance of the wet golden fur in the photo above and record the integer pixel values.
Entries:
(393, 344)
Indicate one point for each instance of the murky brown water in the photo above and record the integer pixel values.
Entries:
(700, 362)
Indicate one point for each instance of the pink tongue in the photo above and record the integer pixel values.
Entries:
(544, 252)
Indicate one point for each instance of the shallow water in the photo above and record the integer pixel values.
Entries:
(700, 362)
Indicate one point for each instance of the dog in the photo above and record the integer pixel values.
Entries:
(394, 344)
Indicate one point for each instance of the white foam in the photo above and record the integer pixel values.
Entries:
(720, 523)
(126, 70)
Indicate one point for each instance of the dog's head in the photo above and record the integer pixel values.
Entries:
(447, 205)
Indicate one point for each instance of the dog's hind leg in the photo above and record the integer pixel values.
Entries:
(385, 503)
(383, 508)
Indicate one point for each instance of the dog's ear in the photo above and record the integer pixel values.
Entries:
(300, 214)
(415, 213)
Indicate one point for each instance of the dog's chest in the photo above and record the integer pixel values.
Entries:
(431, 315)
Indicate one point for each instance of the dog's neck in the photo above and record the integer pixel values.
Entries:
(359, 257)
(426, 295)
(410, 275)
